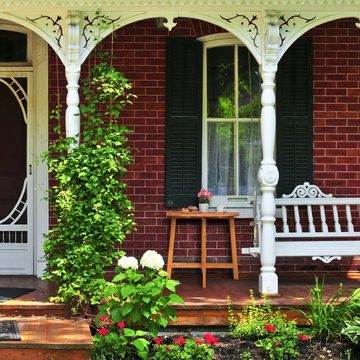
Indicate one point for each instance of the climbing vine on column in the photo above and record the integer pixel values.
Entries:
(89, 197)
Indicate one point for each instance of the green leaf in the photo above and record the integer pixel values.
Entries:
(176, 299)
(129, 332)
(139, 344)
(171, 284)
(126, 309)
(127, 290)
(156, 291)
(116, 314)
(162, 321)
(154, 329)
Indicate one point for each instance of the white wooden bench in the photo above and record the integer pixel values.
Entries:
(306, 215)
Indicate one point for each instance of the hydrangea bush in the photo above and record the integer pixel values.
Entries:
(136, 295)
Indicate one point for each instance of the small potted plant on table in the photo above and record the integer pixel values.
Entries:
(204, 197)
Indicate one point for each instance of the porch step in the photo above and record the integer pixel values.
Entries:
(188, 316)
(44, 338)
(33, 303)
(19, 307)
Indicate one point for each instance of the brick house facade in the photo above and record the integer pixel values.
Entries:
(304, 55)
(139, 51)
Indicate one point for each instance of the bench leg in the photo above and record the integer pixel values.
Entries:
(171, 246)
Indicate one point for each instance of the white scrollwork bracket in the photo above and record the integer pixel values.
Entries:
(326, 259)
(307, 190)
(268, 175)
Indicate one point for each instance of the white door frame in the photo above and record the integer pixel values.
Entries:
(17, 258)
(37, 70)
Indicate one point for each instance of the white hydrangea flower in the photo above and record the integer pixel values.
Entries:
(152, 260)
(128, 262)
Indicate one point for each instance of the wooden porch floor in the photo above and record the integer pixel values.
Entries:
(202, 307)
(209, 306)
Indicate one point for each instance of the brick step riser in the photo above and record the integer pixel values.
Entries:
(44, 354)
(55, 311)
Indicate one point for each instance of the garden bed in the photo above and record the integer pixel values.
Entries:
(229, 348)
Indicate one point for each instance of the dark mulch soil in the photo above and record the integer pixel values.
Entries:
(229, 348)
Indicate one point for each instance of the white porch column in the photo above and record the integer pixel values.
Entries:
(268, 173)
(72, 73)
(72, 116)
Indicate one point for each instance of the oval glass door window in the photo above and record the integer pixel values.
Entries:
(12, 147)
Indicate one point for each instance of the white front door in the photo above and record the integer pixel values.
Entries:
(16, 173)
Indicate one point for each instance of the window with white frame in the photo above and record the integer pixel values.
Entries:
(231, 112)
(213, 125)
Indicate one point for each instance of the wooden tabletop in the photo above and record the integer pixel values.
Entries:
(201, 215)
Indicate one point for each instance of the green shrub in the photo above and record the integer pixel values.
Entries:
(249, 322)
(185, 348)
(281, 339)
(327, 316)
(270, 329)
(352, 330)
(114, 342)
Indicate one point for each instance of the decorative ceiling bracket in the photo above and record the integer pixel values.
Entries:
(94, 27)
(73, 38)
(166, 22)
(247, 22)
(291, 23)
(51, 25)
(272, 41)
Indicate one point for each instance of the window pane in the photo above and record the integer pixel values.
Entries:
(12, 46)
(249, 156)
(221, 158)
(220, 82)
(249, 85)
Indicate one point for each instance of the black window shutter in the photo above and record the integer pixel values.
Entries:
(294, 145)
(183, 121)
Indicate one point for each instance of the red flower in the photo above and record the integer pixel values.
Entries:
(270, 328)
(303, 338)
(102, 318)
(158, 340)
(103, 331)
(121, 324)
(198, 342)
(277, 343)
(180, 341)
(210, 339)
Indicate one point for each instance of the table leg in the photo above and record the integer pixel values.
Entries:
(233, 248)
(203, 251)
(171, 246)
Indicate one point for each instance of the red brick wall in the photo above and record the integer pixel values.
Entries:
(336, 75)
(337, 107)
(139, 52)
